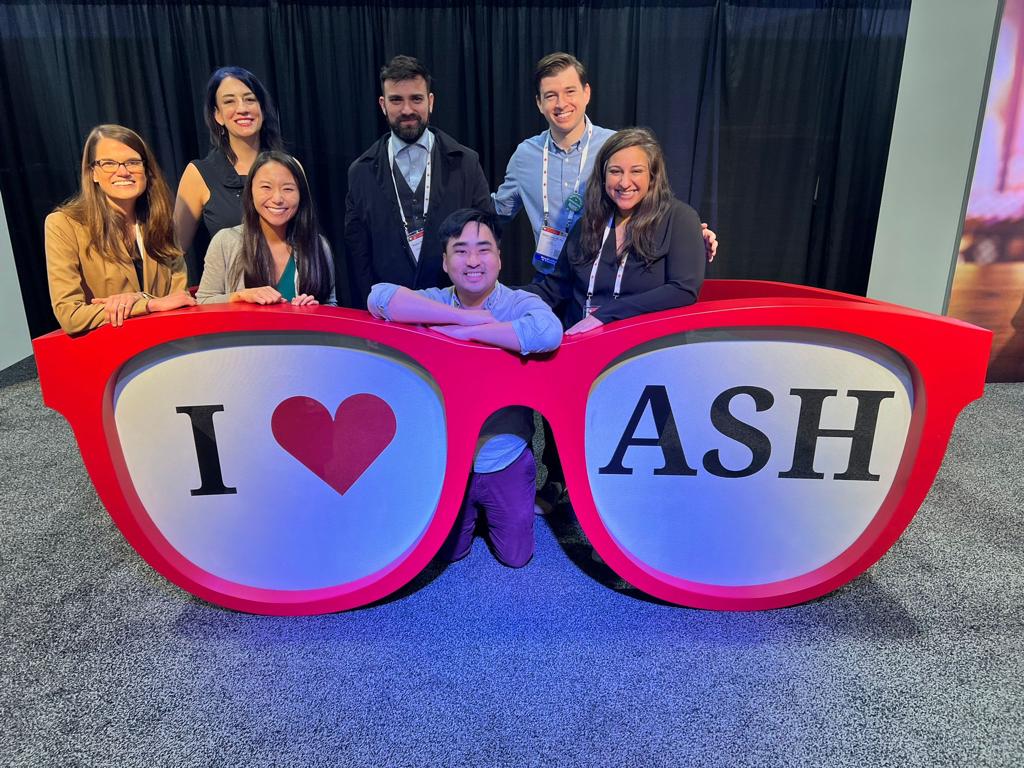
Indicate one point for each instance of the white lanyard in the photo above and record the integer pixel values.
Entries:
(597, 262)
(426, 183)
(579, 175)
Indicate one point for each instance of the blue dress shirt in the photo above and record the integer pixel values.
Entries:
(522, 185)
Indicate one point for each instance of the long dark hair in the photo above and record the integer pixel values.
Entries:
(105, 222)
(598, 207)
(270, 130)
(255, 264)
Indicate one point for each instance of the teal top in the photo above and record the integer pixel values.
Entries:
(286, 285)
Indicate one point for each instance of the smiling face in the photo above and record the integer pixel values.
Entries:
(627, 178)
(473, 261)
(275, 195)
(238, 109)
(407, 106)
(563, 100)
(120, 183)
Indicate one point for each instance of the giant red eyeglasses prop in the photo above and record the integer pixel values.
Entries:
(757, 449)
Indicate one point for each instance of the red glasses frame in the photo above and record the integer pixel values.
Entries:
(78, 375)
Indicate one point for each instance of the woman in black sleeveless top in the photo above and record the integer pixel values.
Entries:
(243, 122)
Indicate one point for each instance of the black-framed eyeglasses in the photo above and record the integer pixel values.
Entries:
(134, 165)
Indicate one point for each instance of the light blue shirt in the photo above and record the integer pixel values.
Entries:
(412, 158)
(522, 185)
(507, 432)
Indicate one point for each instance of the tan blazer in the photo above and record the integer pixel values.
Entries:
(77, 273)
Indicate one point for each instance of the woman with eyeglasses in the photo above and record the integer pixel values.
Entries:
(636, 249)
(277, 254)
(110, 251)
(242, 121)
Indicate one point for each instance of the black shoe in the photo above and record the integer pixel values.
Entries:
(549, 497)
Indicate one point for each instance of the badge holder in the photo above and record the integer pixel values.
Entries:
(548, 247)
(552, 239)
(415, 239)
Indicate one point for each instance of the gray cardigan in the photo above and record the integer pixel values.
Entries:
(224, 248)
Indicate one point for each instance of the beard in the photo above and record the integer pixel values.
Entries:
(409, 132)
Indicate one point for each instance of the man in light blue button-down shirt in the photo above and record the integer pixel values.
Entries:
(553, 196)
(562, 93)
(479, 308)
(571, 143)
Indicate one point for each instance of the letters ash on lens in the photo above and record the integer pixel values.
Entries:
(224, 443)
(749, 459)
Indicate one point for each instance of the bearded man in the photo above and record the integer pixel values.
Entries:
(404, 186)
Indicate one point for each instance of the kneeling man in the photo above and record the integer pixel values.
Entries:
(479, 308)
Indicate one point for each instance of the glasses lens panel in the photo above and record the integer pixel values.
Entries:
(746, 457)
(288, 462)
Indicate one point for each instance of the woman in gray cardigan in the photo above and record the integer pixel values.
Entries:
(277, 254)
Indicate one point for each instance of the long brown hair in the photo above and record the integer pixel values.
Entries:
(598, 208)
(255, 264)
(105, 222)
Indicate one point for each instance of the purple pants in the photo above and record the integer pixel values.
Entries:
(506, 499)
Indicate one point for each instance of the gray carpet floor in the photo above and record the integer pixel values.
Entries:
(918, 662)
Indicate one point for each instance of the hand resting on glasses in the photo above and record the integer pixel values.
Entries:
(104, 264)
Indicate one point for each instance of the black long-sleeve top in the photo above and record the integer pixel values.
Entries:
(672, 280)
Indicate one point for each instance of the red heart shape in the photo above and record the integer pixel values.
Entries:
(337, 450)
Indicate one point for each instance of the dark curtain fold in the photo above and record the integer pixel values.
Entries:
(775, 117)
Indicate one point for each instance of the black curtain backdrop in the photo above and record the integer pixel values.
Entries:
(775, 116)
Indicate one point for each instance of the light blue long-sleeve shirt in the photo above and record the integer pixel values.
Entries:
(536, 326)
(522, 185)
(507, 433)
